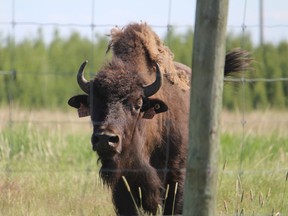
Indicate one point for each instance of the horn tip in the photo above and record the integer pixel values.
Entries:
(83, 65)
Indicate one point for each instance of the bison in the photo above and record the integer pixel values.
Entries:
(139, 104)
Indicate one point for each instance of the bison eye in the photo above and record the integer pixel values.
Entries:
(135, 109)
(157, 106)
(138, 105)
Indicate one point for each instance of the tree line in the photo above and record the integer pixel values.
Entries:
(42, 75)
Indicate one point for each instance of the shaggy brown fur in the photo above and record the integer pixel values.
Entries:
(137, 42)
(150, 153)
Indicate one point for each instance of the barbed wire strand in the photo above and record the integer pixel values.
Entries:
(92, 30)
(228, 172)
(12, 64)
(110, 25)
(239, 175)
(72, 74)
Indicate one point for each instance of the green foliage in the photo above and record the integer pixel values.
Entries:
(46, 72)
(270, 62)
(181, 45)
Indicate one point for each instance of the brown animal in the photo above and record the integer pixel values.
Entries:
(139, 104)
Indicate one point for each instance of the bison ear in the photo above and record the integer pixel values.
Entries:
(81, 103)
(77, 100)
(151, 107)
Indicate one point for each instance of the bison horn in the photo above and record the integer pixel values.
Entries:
(82, 82)
(154, 87)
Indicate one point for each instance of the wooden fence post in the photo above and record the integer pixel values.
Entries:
(205, 107)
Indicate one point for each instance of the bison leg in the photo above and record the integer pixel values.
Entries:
(174, 201)
(149, 183)
(122, 200)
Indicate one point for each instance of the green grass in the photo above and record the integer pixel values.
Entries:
(50, 169)
(44, 171)
(253, 177)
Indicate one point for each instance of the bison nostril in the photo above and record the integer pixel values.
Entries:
(114, 139)
(105, 140)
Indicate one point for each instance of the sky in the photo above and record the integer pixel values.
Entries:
(105, 14)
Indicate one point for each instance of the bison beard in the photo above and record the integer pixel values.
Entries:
(139, 104)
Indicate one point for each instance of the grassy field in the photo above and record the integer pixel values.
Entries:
(47, 166)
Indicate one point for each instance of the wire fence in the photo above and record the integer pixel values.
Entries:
(93, 26)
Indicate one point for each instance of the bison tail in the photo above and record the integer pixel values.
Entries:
(237, 61)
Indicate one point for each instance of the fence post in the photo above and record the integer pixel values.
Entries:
(205, 107)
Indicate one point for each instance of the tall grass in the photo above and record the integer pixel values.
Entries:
(45, 171)
(48, 168)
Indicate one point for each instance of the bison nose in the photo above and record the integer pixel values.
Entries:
(103, 142)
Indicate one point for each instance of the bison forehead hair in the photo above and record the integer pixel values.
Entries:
(135, 40)
(117, 80)
(139, 46)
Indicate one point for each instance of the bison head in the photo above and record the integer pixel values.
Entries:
(117, 100)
